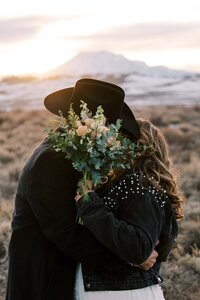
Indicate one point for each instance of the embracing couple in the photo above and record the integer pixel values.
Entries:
(129, 223)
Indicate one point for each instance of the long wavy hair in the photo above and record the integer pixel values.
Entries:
(155, 164)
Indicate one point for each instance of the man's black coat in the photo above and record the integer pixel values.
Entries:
(46, 241)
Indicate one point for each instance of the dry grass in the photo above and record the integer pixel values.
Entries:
(21, 131)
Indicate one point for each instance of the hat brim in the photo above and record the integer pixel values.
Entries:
(59, 101)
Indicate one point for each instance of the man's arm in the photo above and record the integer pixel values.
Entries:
(51, 198)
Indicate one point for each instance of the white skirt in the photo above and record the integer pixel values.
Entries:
(153, 292)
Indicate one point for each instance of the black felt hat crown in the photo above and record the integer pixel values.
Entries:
(94, 93)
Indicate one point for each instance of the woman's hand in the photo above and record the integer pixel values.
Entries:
(85, 189)
(151, 260)
(148, 264)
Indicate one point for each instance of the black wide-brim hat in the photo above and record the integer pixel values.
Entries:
(94, 93)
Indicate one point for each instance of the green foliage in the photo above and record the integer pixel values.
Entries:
(95, 148)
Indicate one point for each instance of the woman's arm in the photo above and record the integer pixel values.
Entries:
(134, 237)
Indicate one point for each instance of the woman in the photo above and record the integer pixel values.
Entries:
(137, 210)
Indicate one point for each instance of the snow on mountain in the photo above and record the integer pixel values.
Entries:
(143, 85)
(92, 63)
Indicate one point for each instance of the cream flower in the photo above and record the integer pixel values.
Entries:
(111, 141)
(103, 121)
(103, 128)
(84, 116)
(89, 122)
(77, 124)
(82, 130)
(93, 134)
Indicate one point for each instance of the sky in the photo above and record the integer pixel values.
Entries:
(39, 35)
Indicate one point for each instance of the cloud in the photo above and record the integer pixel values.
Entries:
(17, 29)
(161, 35)
(22, 28)
(148, 36)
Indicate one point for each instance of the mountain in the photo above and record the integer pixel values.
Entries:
(143, 85)
(107, 63)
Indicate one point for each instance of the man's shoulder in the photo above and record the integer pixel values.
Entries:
(45, 149)
(44, 153)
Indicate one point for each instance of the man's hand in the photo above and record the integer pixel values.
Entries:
(147, 264)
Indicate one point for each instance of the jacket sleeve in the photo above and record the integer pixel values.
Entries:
(169, 233)
(51, 198)
(134, 236)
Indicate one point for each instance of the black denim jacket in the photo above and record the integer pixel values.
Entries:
(129, 219)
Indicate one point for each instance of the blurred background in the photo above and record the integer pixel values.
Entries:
(150, 48)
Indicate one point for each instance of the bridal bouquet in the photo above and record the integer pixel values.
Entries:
(95, 149)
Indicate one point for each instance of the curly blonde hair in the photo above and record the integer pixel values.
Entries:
(156, 165)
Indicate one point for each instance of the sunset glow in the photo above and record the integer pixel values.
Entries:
(39, 35)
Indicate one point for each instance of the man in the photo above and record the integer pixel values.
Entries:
(46, 240)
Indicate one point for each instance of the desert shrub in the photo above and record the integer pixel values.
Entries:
(181, 278)
(14, 172)
(158, 121)
(191, 180)
(175, 136)
(185, 128)
(4, 241)
(189, 236)
(2, 250)
(8, 191)
(192, 210)
(6, 209)
(8, 183)
(6, 156)
(2, 137)
(191, 262)
(185, 157)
